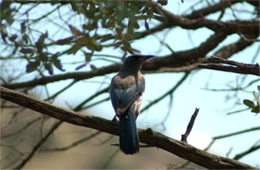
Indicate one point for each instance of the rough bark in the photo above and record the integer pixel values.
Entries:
(148, 136)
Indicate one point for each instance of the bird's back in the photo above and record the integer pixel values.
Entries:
(125, 89)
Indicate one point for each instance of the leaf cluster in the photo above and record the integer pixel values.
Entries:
(106, 24)
(254, 106)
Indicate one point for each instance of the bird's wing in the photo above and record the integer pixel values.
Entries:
(124, 93)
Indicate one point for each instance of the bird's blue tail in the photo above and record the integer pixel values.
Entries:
(129, 141)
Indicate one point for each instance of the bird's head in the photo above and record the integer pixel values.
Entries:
(135, 61)
(138, 58)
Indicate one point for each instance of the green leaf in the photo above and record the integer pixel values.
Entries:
(127, 47)
(64, 41)
(58, 64)
(91, 26)
(23, 27)
(40, 43)
(249, 103)
(27, 51)
(78, 44)
(258, 87)
(74, 49)
(136, 25)
(49, 68)
(25, 38)
(146, 25)
(32, 65)
(94, 45)
(256, 109)
(41, 39)
(130, 27)
(74, 31)
(74, 6)
(13, 37)
(3, 36)
(88, 56)
(98, 46)
(43, 56)
(81, 66)
(93, 67)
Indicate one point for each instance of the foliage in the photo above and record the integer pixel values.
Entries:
(106, 24)
(254, 107)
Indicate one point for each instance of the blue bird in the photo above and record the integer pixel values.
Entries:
(126, 92)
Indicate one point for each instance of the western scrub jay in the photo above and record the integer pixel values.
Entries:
(126, 92)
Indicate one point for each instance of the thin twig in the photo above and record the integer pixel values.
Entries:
(189, 127)
(38, 145)
(167, 93)
(76, 143)
(250, 150)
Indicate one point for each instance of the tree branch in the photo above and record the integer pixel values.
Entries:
(250, 150)
(72, 75)
(149, 137)
(171, 63)
(189, 127)
(222, 5)
(237, 26)
(178, 62)
(215, 63)
(233, 48)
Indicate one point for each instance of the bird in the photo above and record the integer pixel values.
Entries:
(126, 90)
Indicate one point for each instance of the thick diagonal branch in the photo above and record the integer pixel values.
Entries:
(149, 137)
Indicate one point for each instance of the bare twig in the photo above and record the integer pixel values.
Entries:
(21, 129)
(238, 132)
(110, 158)
(250, 150)
(238, 26)
(167, 93)
(38, 145)
(214, 139)
(73, 144)
(189, 127)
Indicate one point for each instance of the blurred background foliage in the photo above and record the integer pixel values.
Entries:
(104, 24)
